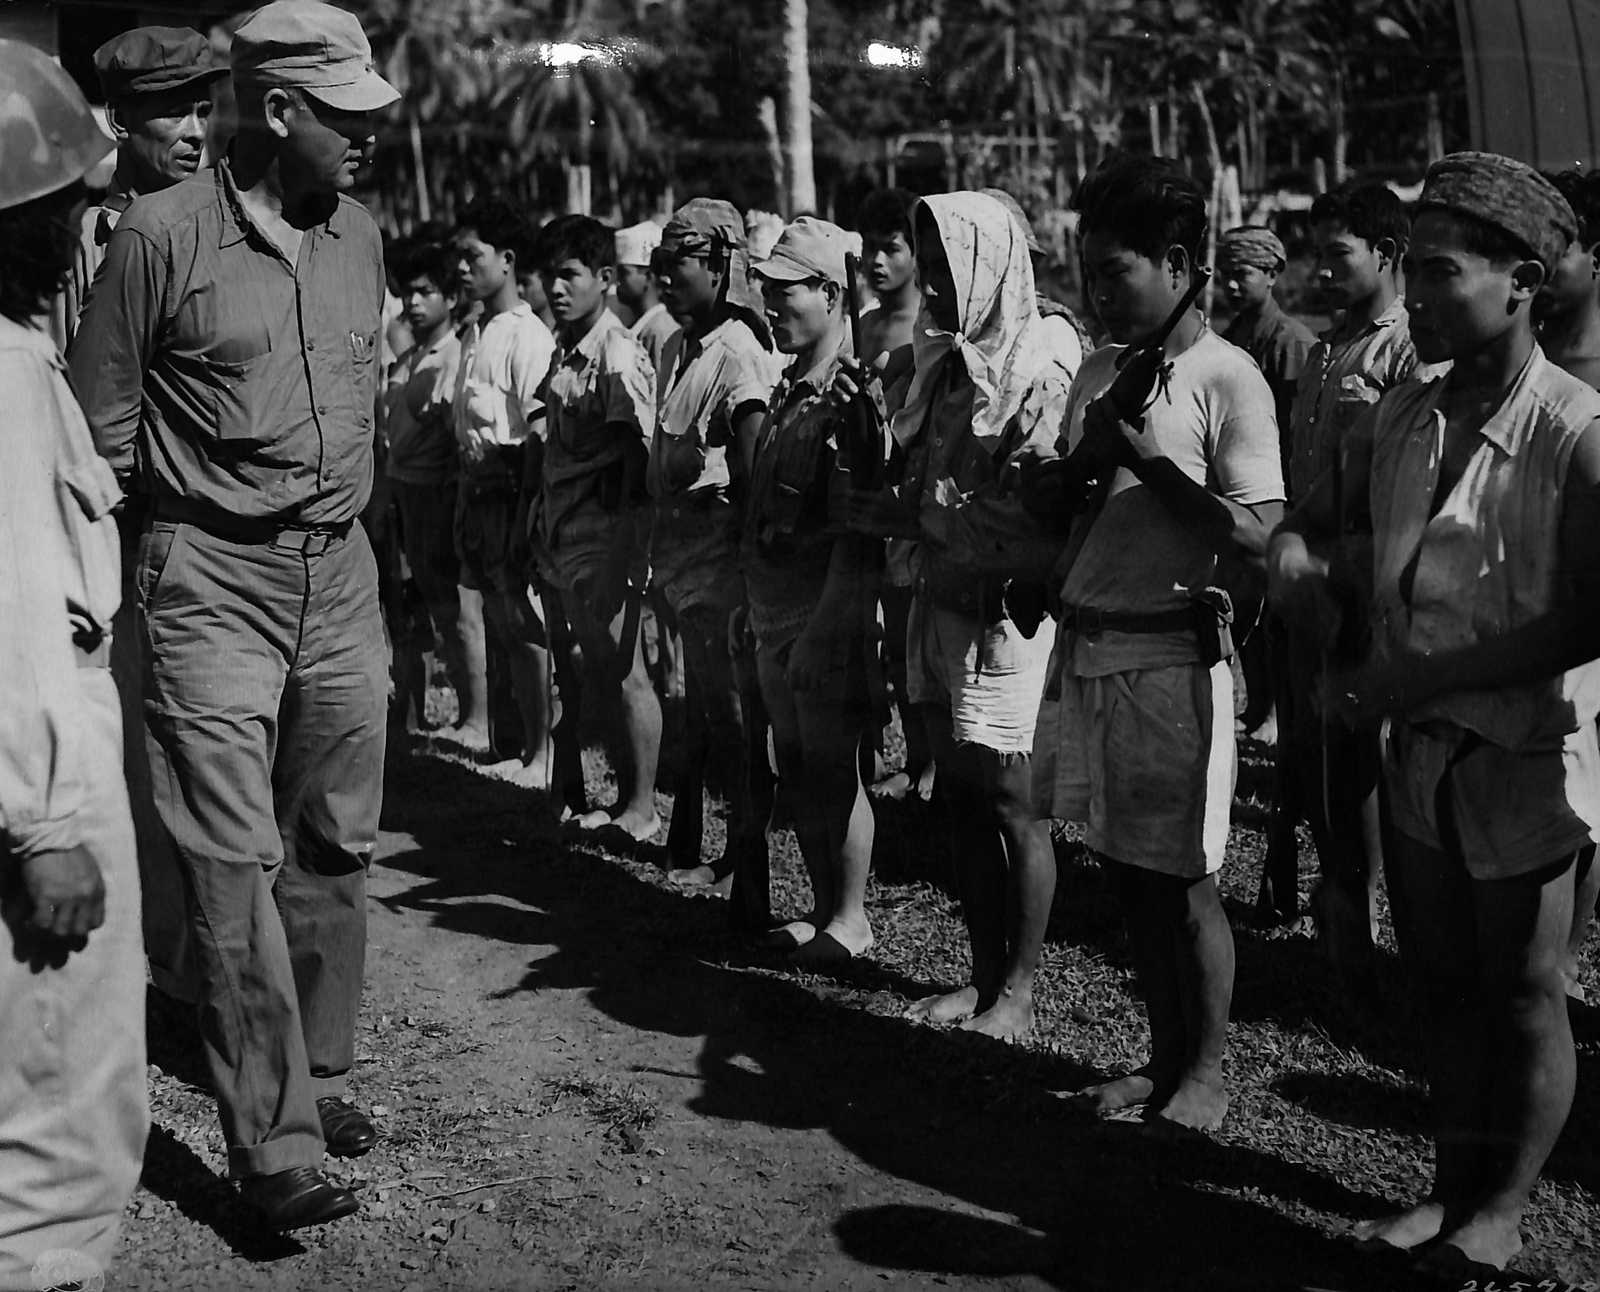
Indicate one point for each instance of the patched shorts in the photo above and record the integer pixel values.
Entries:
(989, 676)
(1146, 759)
(1503, 813)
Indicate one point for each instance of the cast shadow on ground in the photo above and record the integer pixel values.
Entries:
(1095, 1205)
(173, 1172)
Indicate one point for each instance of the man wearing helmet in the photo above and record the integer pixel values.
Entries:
(231, 346)
(73, 1107)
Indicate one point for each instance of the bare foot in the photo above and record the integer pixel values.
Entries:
(1132, 1091)
(636, 825)
(854, 938)
(1010, 1018)
(701, 879)
(1485, 1239)
(529, 775)
(894, 788)
(1195, 1105)
(925, 783)
(474, 739)
(791, 936)
(1420, 1224)
(952, 1007)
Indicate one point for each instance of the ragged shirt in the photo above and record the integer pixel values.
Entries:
(1342, 379)
(246, 385)
(60, 580)
(1487, 562)
(701, 386)
(599, 397)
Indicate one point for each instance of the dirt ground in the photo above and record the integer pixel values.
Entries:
(584, 1083)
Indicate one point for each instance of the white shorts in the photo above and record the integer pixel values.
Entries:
(989, 676)
(1146, 759)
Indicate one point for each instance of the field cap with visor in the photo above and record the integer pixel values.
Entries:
(807, 249)
(311, 46)
(153, 60)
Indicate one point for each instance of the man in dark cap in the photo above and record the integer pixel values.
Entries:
(232, 343)
(1472, 505)
(157, 83)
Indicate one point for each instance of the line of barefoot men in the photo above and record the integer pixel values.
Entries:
(1058, 549)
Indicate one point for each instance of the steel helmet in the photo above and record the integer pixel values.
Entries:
(48, 136)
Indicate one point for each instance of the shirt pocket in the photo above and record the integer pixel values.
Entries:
(242, 402)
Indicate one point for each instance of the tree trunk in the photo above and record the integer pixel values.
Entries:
(767, 115)
(801, 190)
(1154, 110)
(420, 168)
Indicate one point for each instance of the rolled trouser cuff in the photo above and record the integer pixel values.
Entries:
(282, 1153)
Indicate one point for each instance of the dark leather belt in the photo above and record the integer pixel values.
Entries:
(1089, 621)
(290, 536)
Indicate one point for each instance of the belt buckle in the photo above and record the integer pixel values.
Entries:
(307, 542)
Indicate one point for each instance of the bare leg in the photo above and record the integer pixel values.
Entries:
(1523, 927)
(1586, 889)
(635, 720)
(955, 801)
(1030, 886)
(1436, 928)
(1203, 956)
(531, 680)
(830, 741)
(1151, 911)
(472, 692)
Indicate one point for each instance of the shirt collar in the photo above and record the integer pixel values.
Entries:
(1506, 427)
(820, 378)
(588, 346)
(237, 224)
(1394, 313)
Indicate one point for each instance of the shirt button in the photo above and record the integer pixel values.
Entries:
(311, 345)
(322, 410)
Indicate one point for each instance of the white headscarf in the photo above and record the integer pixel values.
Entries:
(1001, 337)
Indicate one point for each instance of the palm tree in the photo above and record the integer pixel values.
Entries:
(567, 77)
(800, 187)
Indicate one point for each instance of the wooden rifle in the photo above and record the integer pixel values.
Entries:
(862, 442)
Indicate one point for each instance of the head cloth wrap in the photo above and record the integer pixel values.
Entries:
(1000, 334)
(704, 224)
(1254, 245)
(1506, 194)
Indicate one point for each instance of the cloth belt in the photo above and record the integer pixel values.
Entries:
(285, 536)
(1089, 621)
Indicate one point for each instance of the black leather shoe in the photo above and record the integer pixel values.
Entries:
(297, 1197)
(345, 1127)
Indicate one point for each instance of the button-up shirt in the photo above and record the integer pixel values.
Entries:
(417, 404)
(599, 397)
(1486, 562)
(247, 383)
(702, 385)
(504, 361)
(654, 328)
(59, 578)
(786, 546)
(1281, 347)
(1344, 377)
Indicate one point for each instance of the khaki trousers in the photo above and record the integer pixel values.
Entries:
(265, 705)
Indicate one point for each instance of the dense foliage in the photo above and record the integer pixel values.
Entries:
(625, 104)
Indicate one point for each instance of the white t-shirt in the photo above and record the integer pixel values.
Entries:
(1214, 416)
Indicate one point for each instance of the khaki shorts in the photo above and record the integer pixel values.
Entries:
(1503, 813)
(1146, 759)
(989, 676)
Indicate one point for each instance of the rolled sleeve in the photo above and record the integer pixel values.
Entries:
(41, 781)
(115, 338)
(628, 386)
(1246, 467)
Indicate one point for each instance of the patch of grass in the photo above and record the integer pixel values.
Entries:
(616, 1105)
